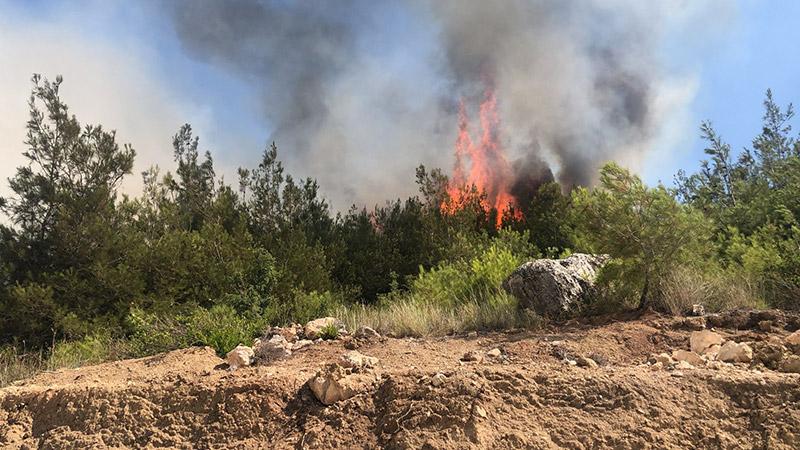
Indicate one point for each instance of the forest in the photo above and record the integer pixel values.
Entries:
(88, 273)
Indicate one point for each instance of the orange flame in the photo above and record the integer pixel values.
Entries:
(489, 170)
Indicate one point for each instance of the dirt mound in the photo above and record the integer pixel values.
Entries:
(525, 390)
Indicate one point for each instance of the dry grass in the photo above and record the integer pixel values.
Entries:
(412, 316)
(17, 366)
(716, 292)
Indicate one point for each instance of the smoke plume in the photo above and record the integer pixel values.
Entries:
(357, 93)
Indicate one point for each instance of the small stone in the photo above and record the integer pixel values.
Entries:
(689, 357)
(240, 356)
(794, 338)
(571, 362)
(494, 353)
(735, 352)
(765, 326)
(583, 361)
(333, 384)
(272, 350)
(657, 366)
(676, 374)
(438, 379)
(684, 365)
(472, 356)
(479, 411)
(366, 333)
(700, 341)
(663, 358)
(698, 310)
(301, 344)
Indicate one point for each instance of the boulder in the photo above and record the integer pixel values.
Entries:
(313, 328)
(662, 358)
(273, 349)
(552, 287)
(690, 357)
(356, 360)
(240, 356)
(702, 342)
(335, 383)
(735, 352)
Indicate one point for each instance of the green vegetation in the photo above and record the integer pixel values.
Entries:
(87, 274)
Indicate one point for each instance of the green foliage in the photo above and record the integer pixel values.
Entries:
(645, 230)
(329, 332)
(222, 328)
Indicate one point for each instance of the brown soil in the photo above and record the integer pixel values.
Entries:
(530, 398)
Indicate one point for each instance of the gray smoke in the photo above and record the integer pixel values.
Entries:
(359, 92)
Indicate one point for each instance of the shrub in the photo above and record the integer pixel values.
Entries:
(222, 328)
(329, 332)
(91, 349)
(715, 290)
(16, 366)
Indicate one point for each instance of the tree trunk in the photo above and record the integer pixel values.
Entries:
(644, 299)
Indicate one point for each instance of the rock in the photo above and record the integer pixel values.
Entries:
(552, 287)
(272, 350)
(334, 383)
(689, 357)
(794, 338)
(583, 361)
(657, 366)
(438, 379)
(366, 333)
(240, 356)
(477, 410)
(472, 356)
(301, 344)
(735, 352)
(313, 328)
(289, 333)
(690, 323)
(765, 326)
(701, 342)
(662, 358)
(494, 353)
(791, 364)
(684, 365)
(768, 353)
(356, 360)
(698, 310)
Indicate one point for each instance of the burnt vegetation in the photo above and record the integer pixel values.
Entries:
(194, 260)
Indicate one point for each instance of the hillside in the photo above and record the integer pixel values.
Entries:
(534, 394)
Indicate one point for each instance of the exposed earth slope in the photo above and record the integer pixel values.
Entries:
(422, 395)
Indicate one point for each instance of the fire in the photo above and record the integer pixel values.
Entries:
(488, 169)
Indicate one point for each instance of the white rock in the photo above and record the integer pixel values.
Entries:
(494, 353)
(684, 365)
(657, 366)
(313, 328)
(700, 341)
(698, 310)
(356, 360)
(690, 357)
(735, 352)
(438, 379)
(240, 356)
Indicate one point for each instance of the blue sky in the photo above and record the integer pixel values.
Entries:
(126, 67)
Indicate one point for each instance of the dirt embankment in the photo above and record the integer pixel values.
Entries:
(533, 395)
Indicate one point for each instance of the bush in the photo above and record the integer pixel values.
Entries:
(16, 366)
(91, 349)
(222, 328)
(715, 290)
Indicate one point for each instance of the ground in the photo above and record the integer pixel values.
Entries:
(422, 395)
